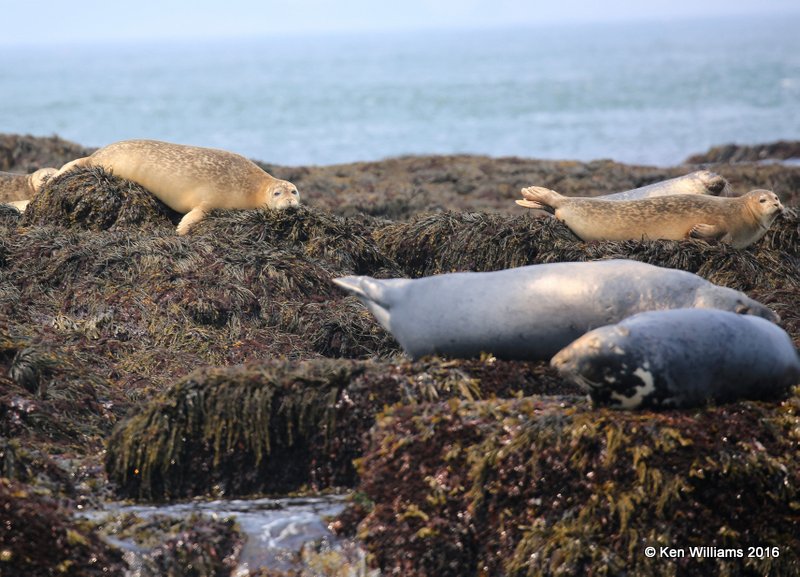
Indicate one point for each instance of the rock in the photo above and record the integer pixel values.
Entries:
(536, 487)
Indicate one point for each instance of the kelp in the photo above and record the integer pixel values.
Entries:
(449, 242)
(281, 426)
(94, 199)
(226, 362)
(534, 487)
(39, 538)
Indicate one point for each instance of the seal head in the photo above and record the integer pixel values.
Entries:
(282, 194)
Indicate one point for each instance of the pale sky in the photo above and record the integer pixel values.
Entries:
(56, 21)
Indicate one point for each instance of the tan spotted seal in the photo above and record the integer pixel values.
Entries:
(192, 179)
(22, 187)
(531, 312)
(698, 182)
(738, 221)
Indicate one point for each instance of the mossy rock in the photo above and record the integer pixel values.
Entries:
(344, 242)
(39, 538)
(159, 545)
(25, 153)
(280, 426)
(448, 242)
(49, 395)
(94, 199)
(536, 487)
(9, 215)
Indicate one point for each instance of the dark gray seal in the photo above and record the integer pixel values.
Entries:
(531, 312)
(681, 358)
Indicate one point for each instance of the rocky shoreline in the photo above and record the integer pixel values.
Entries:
(141, 365)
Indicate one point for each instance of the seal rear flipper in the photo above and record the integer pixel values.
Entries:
(706, 231)
(370, 291)
(541, 196)
(535, 205)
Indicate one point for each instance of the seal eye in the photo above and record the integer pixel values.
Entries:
(763, 200)
(294, 192)
(276, 193)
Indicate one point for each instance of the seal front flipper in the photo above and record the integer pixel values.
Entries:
(192, 217)
(706, 231)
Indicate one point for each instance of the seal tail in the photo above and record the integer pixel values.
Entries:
(372, 292)
(540, 198)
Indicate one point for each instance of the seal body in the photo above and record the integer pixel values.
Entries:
(699, 182)
(22, 187)
(681, 358)
(531, 312)
(738, 221)
(192, 179)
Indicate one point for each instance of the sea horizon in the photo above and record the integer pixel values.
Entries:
(638, 92)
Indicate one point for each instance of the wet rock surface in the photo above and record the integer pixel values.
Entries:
(136, 363)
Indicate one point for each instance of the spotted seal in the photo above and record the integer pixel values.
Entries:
(22, 187)
(738, 221)
(191, 179)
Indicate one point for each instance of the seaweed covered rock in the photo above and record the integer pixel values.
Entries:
(94, 199)
(26, 153)
(534, 487)
(450, 242)
(32, 467)
(151, 306)
(402, 188)
(730, 153)
(9, 216)
(40, 539)
(50, 395)
(344, 242)
(280, 426)
(159, 545)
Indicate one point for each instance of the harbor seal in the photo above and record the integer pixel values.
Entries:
(15, 187)
(738, 221)
(531, 312)
(698, 182)
(681, 358)
(191, 179)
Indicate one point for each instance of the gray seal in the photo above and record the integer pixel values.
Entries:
(534, 311)
(681, 358)
(699, 182)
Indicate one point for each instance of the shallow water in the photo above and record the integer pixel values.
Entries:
(635, 92)
(276, 529)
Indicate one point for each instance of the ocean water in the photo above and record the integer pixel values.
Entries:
(649, 93)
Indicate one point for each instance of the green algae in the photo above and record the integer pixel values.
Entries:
(448, 242)
(284, 425)
(40, 539)
(530, 488)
